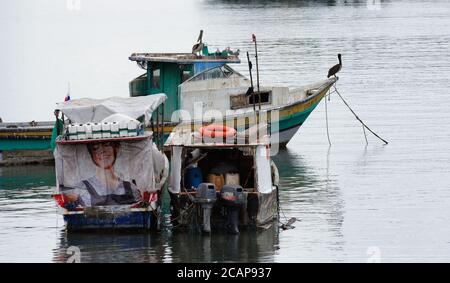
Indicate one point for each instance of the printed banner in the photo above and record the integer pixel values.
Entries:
(105, 173)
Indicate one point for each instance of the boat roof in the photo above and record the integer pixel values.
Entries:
(90, 110)
(182, 58)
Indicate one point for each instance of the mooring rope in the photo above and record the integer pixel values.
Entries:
(284, 215)
(365, 136)
(363, 124)
(288, 222)
(326, 118)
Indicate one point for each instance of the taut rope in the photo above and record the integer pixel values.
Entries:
(356, 116)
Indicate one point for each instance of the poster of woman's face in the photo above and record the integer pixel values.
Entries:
(105, 173)
(104, 154)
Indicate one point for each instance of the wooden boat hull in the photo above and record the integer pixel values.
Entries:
(290, 118)
(104, 218)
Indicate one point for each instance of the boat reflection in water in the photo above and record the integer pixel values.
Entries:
(27, 176)
(249, 246)
(111, 247)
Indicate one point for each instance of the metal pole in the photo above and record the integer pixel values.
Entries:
(162, 127)
(157, 127)
(251, 79)
(257, 71)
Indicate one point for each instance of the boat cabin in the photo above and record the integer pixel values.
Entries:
(221, 184)
(166, 71)
(202, 88)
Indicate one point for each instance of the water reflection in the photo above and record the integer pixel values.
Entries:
(249, 246)
(28, 218)
(311, 194)
(28, 211)
(112, 247)
(294, 172)
(29, 176)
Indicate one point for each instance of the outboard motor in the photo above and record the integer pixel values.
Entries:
(206, 197)
(233, 199)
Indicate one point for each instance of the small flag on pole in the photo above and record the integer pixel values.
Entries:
(253, 37)
(67, 98)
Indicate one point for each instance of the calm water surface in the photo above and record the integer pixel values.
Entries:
(355, 202)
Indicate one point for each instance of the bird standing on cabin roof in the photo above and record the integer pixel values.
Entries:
(336, 68)
(198, 47)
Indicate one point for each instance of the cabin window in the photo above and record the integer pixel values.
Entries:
(242, 100)
(218, 72)
(227, 71)
(215, 73)
(185, 75)
(264, 95)
(156, 78)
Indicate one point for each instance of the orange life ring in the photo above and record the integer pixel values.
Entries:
(214, 131)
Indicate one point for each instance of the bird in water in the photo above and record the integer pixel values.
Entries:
(199, 45)
(336, 68)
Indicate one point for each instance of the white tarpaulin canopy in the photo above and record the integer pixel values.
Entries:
(85, 110)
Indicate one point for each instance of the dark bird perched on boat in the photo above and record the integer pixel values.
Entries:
(336, 68)
(199, 45)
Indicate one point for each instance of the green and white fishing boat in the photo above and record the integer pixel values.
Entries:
(202, 88)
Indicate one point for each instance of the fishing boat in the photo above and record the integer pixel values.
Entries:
(109, 170)
(202, 88)
(222, 179)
